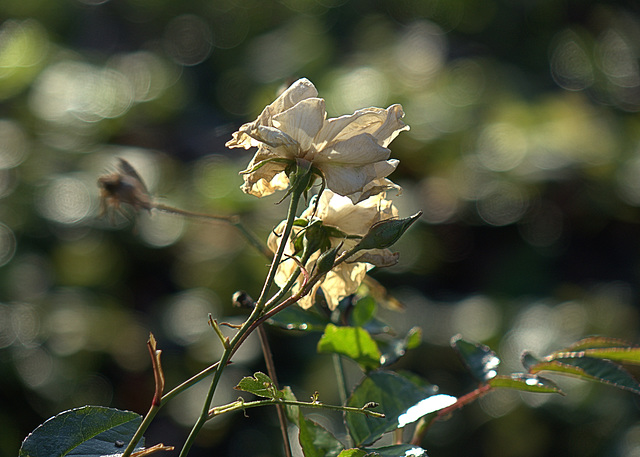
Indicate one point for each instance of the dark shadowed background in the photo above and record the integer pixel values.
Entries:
(523, 154)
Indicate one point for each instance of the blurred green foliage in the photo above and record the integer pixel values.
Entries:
(523, 155)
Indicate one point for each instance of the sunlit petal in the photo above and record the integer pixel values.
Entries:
(303, 121)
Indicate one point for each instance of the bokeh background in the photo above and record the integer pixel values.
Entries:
(523, 154)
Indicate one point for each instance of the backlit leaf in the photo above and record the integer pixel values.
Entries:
(596, 342)
(354, 453)
(630, 355)
(261, 385)
(589, 368)
(353, 342)
(526, 382)
(400, 450)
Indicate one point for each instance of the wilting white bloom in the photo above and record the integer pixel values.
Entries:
(352, 219)
(350, 151)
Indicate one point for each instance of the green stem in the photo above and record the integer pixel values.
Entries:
(284, 238)
(342, 382)
(242, 405)
(271, 371)
(165, 398)
(151, 414)
(247, 326)
(188, 383)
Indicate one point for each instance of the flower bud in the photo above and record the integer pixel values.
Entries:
(315, 238)
(325, 262)
(385, 233)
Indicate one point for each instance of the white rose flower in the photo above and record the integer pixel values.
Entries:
(350, 151)
(352, 219)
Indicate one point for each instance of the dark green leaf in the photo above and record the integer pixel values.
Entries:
(481, 361)
(353, 342)
(377, 327)
(317, 441)
(400, 450)
(89, 431)
(261, 385)
(526, 382)
(395, 348)
(296, 318)
(395, 394)
(589, 368)
(528, 360)
(385, 233)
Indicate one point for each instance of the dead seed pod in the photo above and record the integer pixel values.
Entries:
(123, 186)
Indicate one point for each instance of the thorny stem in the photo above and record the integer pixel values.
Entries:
(472, 396)
(248, 326)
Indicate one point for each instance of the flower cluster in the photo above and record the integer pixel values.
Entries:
(350, 154)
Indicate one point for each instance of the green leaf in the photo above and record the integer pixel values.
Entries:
(481, 361)
(363, 311)
(395, 394)
(589, 368)
(414, 338)
(630, 355)
(353, 453)
(292, 412)
(261, 385)
(296, 318)
(317, 441)
(526, 382)
(83, 432)
(353, 342)
(621, 355)
(400, 450)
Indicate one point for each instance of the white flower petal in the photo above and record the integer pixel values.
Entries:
(264, 180)
(379, 258)
(300, 90)
(275, 138)
(358, 150)
(350, 181)
(302, 121)
(375, 187)
(383, 124)
(344, 280)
